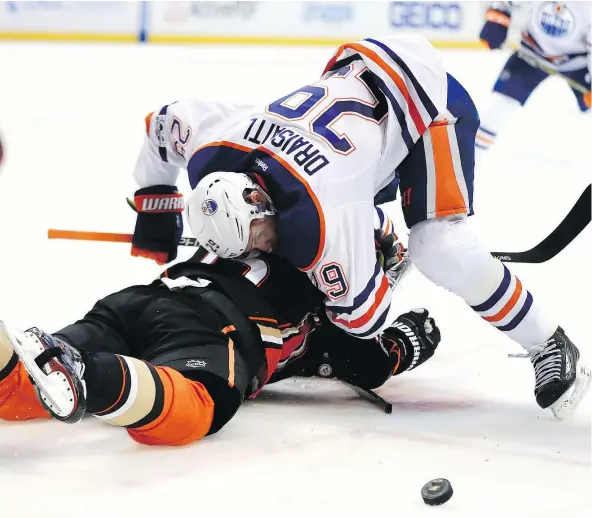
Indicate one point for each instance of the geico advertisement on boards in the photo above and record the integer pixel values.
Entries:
(441, 20)
(437, 20)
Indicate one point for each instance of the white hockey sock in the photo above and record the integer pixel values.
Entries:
(447, 251)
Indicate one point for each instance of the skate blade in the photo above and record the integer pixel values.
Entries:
(566, 404)
(46, 384)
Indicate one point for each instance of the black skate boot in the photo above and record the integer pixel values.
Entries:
(56, 369)
(561, 380)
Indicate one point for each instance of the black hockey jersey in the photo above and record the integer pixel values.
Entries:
(276, 297)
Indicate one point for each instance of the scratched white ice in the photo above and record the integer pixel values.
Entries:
(72, 121)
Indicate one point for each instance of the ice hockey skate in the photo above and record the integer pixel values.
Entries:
(55, 368)
(562, 380)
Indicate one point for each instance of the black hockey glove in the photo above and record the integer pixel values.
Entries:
(159, 225)
(389, 249)
(390, 252)
(391, 255)
(411, 340)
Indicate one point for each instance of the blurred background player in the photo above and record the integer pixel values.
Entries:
(173, 361)
(555, 35)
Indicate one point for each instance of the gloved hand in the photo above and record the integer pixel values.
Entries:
(588, 99)
(390, 253)
(411, 340)
(495, 30)
(159, 225)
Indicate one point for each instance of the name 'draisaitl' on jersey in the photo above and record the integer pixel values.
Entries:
(303, 152)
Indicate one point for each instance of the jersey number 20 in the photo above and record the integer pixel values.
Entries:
(299, 104)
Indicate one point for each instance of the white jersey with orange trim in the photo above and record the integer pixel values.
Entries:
(323, 152)
(176, 131)
(557, 32)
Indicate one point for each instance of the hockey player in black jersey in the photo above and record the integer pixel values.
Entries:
(172, 361)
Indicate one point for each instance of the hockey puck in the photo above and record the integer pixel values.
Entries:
(436, 492)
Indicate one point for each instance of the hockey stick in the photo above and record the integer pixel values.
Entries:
(576, 220)
(551, 71)
(571, 226)
(111, 237)
(372, 397)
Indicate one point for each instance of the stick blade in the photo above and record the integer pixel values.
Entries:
(572, 225)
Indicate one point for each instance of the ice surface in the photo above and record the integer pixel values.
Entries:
(72, 120)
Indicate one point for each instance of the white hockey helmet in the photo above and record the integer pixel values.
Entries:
(220, 214)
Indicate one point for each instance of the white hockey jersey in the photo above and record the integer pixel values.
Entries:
(322, 152)
(557, 32)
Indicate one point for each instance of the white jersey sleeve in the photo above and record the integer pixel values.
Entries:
(358, 292)
(173, 133)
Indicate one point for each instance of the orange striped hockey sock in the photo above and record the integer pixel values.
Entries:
(158, 405)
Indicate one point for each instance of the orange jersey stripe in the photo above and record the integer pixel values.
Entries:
(186, 415)
(443, 122)
(18, 398)
(224, 143)
(226, 330)
(448, 193)
(388, 229)
(485, 43)
(397, 79)
(264, 319)
(230, 362)
(497, 17)
(148, 121)
(365, 318)
(508, 306)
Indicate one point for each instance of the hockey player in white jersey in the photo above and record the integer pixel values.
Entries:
(555, 36)
(301, 177)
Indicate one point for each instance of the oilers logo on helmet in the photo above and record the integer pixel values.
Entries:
(209, 207)
(224, 221)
